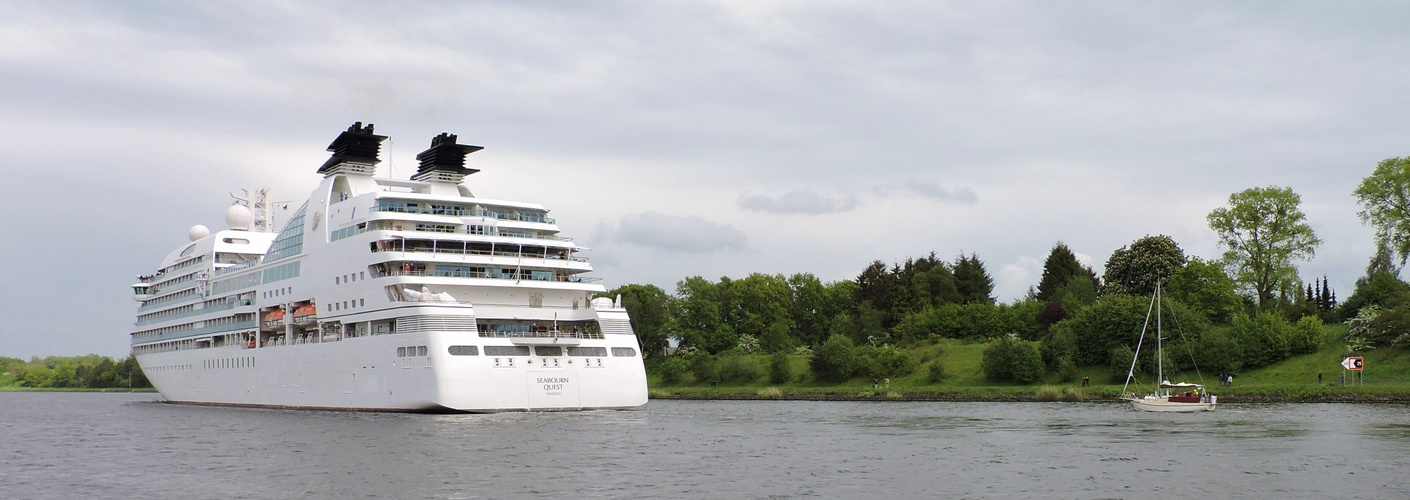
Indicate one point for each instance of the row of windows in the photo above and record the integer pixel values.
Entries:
(187, 293)
(348, 278)
(462, 211)
(416, 350)
(348, 231)
(279, 292)
(541, 351)
(347, 304)
(163, 330)
(281, 272)
(167, 313)
(230, 320)
(236, 283)
(229, 363)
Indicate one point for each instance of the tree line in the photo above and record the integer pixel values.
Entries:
(1246, 309)
(88, 372)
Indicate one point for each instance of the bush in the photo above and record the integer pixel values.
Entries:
(1060, 346)
(890, 362)
(705, 368)
(834, 360)
(1119, 360)
(937, 371)
(673, 370)
(1009, 358)
(1263, 338)
(1307, 336)
(739, 369)
(780, 371)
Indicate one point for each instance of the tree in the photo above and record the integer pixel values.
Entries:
(1010, 358)
(780, 371)
(972, 280)
(1385, 204)
(834, 360)
(1204, 286)
(697, 311)
(649, 308)
(1135, 270)
(1061, 267)
(1264, 230)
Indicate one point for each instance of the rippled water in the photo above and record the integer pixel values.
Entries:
(66, 445)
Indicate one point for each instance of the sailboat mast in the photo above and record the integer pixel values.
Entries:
(1159, 353)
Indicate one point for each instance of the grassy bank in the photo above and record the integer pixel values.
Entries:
(1387, 379)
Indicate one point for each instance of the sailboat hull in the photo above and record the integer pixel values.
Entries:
(1159, 404)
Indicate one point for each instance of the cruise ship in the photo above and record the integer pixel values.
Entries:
(381, 294)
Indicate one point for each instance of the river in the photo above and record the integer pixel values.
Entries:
(92, 445)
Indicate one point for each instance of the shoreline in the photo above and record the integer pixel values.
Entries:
(1034, 397)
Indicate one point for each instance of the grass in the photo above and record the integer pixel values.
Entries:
(1295, 379)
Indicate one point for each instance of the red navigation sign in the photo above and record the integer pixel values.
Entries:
(1355, 363)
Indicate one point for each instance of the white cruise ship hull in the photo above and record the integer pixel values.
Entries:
(367, 374)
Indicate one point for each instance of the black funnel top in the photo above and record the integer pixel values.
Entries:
(445, 156)
(358, 145)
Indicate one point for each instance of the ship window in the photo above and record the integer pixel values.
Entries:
(361, 302)
(464, 350)
(587, 351)
(401, 352)
(623, 352)
(548, 350)
(506, 350)
(345, 304)
(421, 350)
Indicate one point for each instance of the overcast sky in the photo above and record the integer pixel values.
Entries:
(691, 138)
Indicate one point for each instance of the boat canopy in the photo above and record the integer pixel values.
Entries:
(1182, 385)
(274, 315)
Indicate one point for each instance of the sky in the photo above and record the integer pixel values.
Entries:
(674, 139)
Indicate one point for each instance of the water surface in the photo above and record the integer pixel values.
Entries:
(66, 445)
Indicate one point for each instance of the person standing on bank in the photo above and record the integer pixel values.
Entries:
(1319, 377)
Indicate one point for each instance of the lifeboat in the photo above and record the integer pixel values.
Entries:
(274, 319)
(305, 313)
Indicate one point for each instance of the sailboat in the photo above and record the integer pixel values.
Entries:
(1180, 397)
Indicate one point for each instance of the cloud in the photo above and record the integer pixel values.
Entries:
(688, 234)
(797, 202)
(930, 189)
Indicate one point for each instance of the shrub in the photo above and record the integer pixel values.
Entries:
(1119, 360)
(834, 359)
(1059, 346)
(1009, 358)
(780, 371)
(739, 369)
(890, 362)
(1307, 336)
(673, 370)
(705, 368)
(937, 371)
(1263, 337)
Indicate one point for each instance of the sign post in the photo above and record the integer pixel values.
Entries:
(1355, 364)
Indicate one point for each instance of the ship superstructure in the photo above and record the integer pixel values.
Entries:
(383, 294)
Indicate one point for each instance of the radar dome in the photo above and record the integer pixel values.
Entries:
(238, 217)
(198, 231)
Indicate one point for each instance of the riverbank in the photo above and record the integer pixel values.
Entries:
(76, 389)
(1036, 396)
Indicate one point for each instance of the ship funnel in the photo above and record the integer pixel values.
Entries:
(354, 152)
(444, 161)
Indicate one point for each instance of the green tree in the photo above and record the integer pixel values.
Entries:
(780, 371)
(650, 309)
(972, 280)
(1204, 286)
(1263, 338)
(697, 310)
(1136, 269)
(1385, 204)
(834, 360)
(756, 304)
(1264, 231)
(1009, 358)
(1060, 267)
(673, 370)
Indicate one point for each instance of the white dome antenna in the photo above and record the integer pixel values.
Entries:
(198, 231)
(238, 217)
